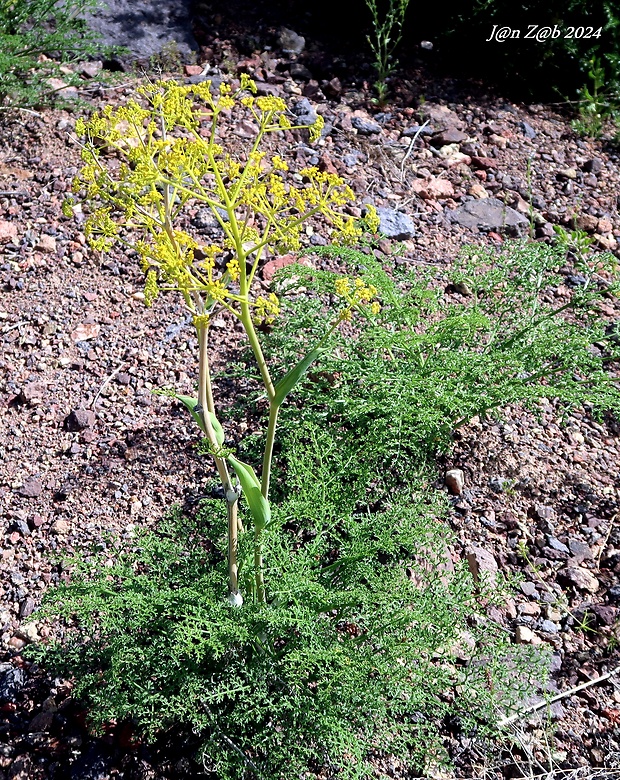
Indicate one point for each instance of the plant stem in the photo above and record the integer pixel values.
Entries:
(268, 454)
(205, 399)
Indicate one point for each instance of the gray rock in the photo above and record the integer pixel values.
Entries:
(145, 27)
(394, 224)
(549, 627)
(305, 113)
(528, 130)
(365, 126)
(12, 681)
(290, 42)
(556, 544)
(593, 166)
(489, 213)
(418, 130)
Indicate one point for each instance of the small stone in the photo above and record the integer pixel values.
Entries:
(431, 189)
(32, 488)
(586, 222)
(530, 608)
(490, 214)
(529, 589)
(548, 627)
(604, 225)
(58, 85)
(606, 242)
(593, 166)
(41, 722)
(193, 70)
(480, 560)
(567, 173)
(556, 544)
(31, 393)
(498, 140)
(90, 70)
(543, 512)
(478, 191)
(305, 113)
(46, 244)
(441, 117)
(11, 682)
(60, 526)
(290, 42)
(553, 613)
(580, 550)
(485, 163)
(85, 331)
(449, 136)
(270, 268)
(28, 632)
(528, 130)
(27, 607)
(364, 124)
(525, 636)
(8, 232)
(455, 481)
(395, 224)
(579, 577)
(79, 420)
(16, 643)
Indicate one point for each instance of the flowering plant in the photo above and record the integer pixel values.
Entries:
(143, 164)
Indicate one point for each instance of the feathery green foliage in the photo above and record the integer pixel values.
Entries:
(36, 38)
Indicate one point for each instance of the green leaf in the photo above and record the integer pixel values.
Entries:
(191, 404)
(290, 379)
(259, 506)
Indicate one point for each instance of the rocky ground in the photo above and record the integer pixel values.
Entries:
(86, 450)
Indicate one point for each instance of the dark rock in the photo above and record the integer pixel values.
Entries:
(305, 113)
(27, 607)
(145, 27)
(365, 126)
(593, 166)
(79, 419)
(12, 681)
(94, 764)
(299, 71)
(41, 722)
(614, 593)
(419, 130)
(490, 214)
(528, 130)
(580, 550)
(395, 224)
(606, 615)
(31, 488)
(290, 42)
(449, 136)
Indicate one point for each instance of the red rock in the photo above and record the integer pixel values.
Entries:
(192, 70)
(31, 488)
(486, 163)
(274, 265)
(431, 189)
(480, 560)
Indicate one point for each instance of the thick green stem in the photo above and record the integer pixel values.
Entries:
(205, 399)
(268, 454)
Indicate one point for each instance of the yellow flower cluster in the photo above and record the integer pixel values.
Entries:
(266, 309)
(356, 294)
(145, 161)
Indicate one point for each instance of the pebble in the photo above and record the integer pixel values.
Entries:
(480, 560)
(12, 680)
(525, 636)
(455, 481)
(79, 419)
(32, 488)
(364, 124)
(579, 577)
(488, 213)
(395, 224)
(290, 42)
